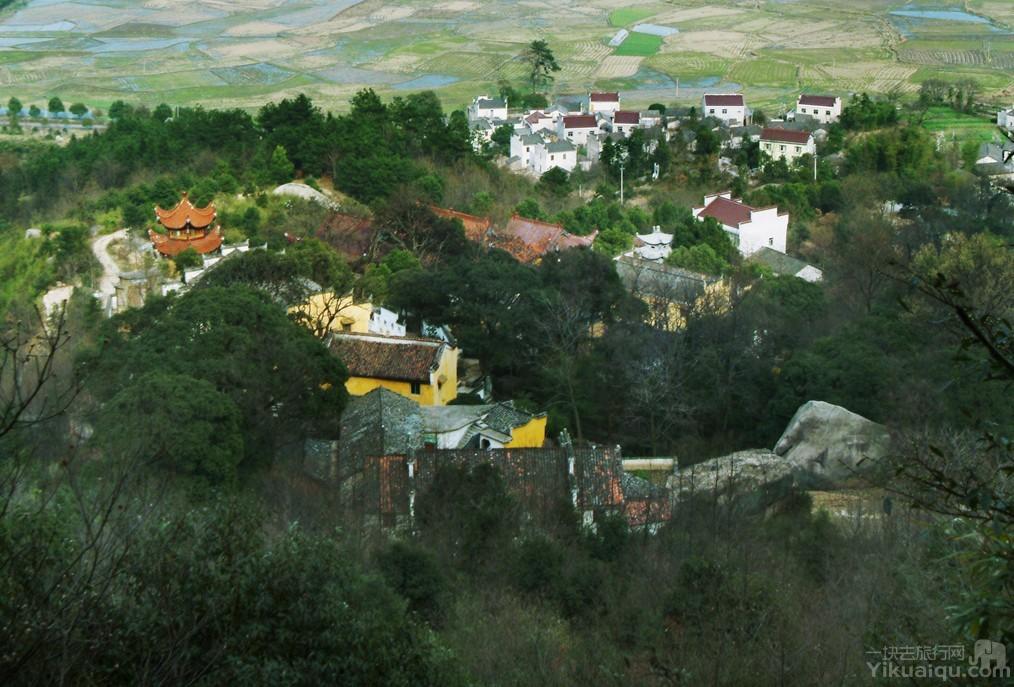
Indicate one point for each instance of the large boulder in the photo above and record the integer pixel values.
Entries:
(831, 444)
(744, 473)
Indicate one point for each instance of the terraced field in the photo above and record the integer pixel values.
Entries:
(242, 52)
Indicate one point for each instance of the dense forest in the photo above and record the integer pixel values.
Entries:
(153, 526)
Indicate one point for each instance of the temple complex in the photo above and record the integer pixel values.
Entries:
(186, 227)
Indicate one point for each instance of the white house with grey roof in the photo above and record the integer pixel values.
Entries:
(1005, 119)
(524, 147)
(560, 154)
(484, 107)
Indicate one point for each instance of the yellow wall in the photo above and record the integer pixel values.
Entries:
(325, 306)
(428, 395)
(531, 435)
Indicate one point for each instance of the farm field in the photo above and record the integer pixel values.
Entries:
(244, 52)
(959, 126)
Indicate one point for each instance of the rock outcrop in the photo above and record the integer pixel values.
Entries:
(823, 445)
(832, 444)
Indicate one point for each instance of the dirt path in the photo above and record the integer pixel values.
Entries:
(110, 270)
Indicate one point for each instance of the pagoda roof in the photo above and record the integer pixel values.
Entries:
(171, 247)
(185, 213)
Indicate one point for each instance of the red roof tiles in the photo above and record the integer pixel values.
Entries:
(818, 100)
(185, 213)
(734, 100)
(604, 97)
(580, 122)
(731, 213)
(529, 239)
(785, 136)
(476, 228)
(626, 117)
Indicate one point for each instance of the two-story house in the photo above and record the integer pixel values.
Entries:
(786, 144)
(603, 103)
(484, 107)
(826, 109)
(577, 128)
(560, 154)
(524, 146)
(749, 228)
(624, 122)
(728, 107)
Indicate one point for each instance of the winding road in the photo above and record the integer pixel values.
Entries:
(110, 270)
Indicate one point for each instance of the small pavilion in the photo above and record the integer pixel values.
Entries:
(186, 227)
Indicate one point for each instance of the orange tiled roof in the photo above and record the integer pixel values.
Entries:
(171, 247)
(476, 227)
(529, 239)
(731, 213)
(185, 213)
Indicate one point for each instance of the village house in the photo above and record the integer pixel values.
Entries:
(539, 121)
(577, 128)
(741, 135)
(728, 107)
(1005, 119)
(786, 265)
(528, 240)
(482, 133)
(560, 154)
(670, 293)
(484, 107)
(624, 122)
(996, 161)
(826, 109)
(423, 370)
(523, 147)
(603, 103)
(750, 228)
(787, 144)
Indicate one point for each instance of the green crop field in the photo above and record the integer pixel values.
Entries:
(239, 54)
(639, 45)
(959, 126)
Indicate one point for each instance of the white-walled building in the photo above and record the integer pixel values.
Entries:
(786, 265)
(488, 108)
(523, 147)
(560, 154)
(1005, 119)
(787, 144)
(603, 103)
(624, 122)
(750, 228)
(538, 121)
(384, 321)
(826, 109)
(729, 107)
(577, 128)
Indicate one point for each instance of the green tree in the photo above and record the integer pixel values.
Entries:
(177, 422)
(78, 109)
(34, 112)
(280, 170)
(700, 258)
(55, 106)
(13, 110)
(555, 182)
(541, 64)
(188, 259)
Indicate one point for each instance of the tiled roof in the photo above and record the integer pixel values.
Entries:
(785, 136)
(347, 234)
(379, 423)
(649, 278)
(536, 117)
(626, 117)
(529, 239)
(779, 262)
(476, 228)
(580, 122)
(185, 213)
(735, 100)
(388, 357)
(492, 103)
(560, 147)
(604, 97)
(170, 247)
(818, 100)
(731, 213)
(531, 140)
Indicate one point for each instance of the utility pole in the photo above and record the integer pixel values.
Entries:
(815, 166)
(621, 183)
(677, 88)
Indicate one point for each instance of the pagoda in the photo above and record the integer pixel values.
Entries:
(186, 227)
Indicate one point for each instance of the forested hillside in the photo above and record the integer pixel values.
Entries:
(156, 525)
